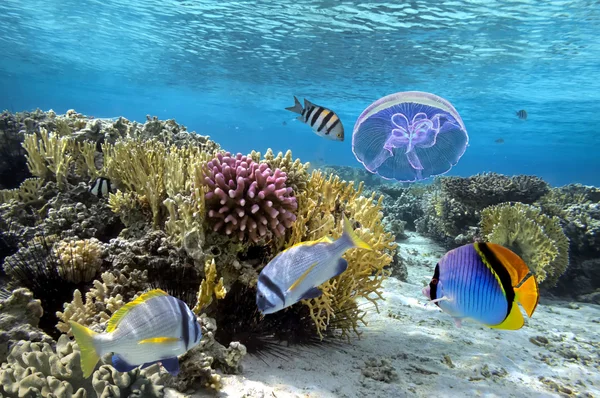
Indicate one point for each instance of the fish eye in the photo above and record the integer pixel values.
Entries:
(339, 135)
(434, 281)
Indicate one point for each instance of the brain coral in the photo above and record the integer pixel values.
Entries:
(247, 199)
(537, 238)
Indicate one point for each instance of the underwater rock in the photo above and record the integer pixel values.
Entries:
(581, 281)
(20, 315)
(380, 370)
(398, 267)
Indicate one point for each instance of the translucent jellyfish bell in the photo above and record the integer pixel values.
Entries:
(409, 136)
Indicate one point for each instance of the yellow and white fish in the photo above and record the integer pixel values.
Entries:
(324, 122)
(295, 273)
(154, 327)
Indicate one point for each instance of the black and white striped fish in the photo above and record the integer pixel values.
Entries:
(100, 187)
(522, 114)
(324, 122)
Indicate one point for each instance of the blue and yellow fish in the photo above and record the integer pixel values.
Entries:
(484, 282)
(295, 273)
(154, 327)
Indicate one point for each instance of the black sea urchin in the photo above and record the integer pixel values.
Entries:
(35, 267)
(181, 282)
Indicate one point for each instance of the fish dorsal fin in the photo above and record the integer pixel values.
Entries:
(302, 277)
(514, 264)
(324, 239)
(307, 104)
(159, 340)
(114, 320)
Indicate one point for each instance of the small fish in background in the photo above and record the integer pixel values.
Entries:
(499, 141)
(324, 122)
(296, 273)
(522, 114)
(484, 282)
(101, 187)
(284, 123)
(153, 328)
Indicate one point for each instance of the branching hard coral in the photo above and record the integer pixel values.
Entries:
(487, 189)
(537, 238)
(209, 287)
(78, 260)
(296, 171)
(50, 154)
(320, 214)
(248, 200)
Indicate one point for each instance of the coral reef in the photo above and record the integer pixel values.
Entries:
(37, 370)
(486, 189)
(537, 238)
(296, 171)
(20, 315)
(248, 200)
(79, 260)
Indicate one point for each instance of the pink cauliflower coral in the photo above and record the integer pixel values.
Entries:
(247, 199)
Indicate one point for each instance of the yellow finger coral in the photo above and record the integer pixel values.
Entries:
(537, 238)
(320, 211)
(78, 260)
(209, 287)
(296, 171)
(50, 154)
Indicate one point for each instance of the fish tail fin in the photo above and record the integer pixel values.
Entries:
(297, 108)
(528, 295)
(351, 236)
(85, 340)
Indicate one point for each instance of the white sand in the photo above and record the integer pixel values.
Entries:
(414, 338)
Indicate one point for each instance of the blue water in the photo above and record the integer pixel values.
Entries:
(228, 69)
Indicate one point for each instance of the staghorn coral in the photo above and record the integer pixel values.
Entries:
(105, 297)
(296, 171)
(28, 191)
(51, 154)
(20, 316)
(537, 238)
(79, 260)
(37, 370)
(488, 189)
(247, 199)
(320, 214)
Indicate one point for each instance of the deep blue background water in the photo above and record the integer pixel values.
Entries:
(228, 69)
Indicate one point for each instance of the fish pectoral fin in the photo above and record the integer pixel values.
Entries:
(159, 340)
(513, 321)
(121, 312)
(340, 267)
(302, 277)
(171, 365)
(121, 364)
(311, 294)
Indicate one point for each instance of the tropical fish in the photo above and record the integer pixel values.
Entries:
(100, 187)
(522, 114)
(296, 273)
(324, 122)
(153, 328)
(499, 141)
(484, 282)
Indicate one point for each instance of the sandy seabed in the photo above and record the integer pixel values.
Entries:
(413, 350)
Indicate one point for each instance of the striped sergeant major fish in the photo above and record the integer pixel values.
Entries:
(522, 114)
(324, 122)
(484, 282)
(153, 328)
(100, 187)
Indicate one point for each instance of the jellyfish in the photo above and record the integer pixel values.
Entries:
(409, 136)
